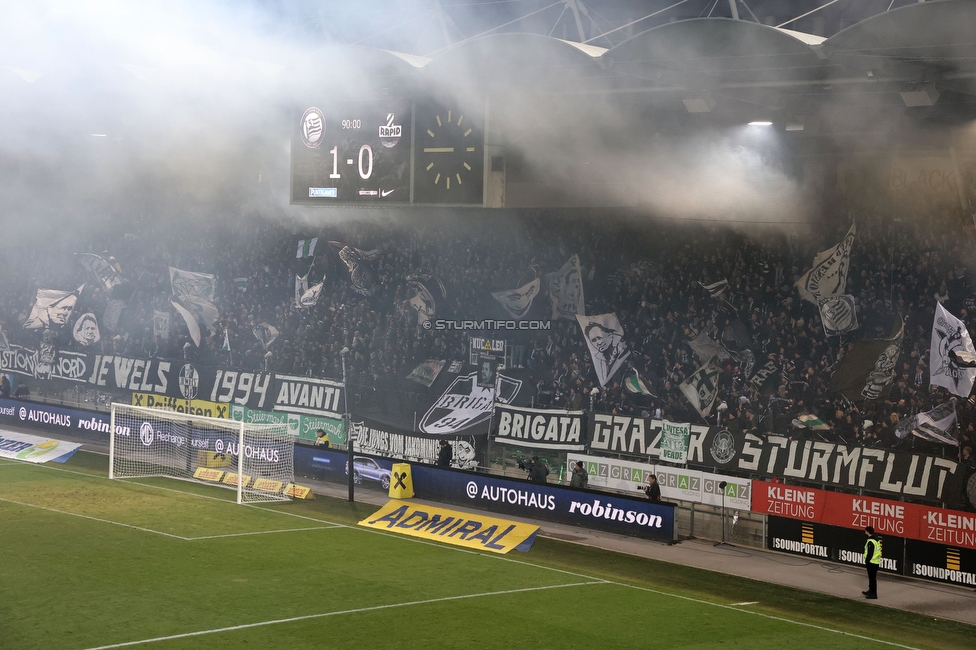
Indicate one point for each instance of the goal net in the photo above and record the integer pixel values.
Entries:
(257, 460)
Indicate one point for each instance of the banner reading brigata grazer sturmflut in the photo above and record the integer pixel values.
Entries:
(897, 473)
(540, 428)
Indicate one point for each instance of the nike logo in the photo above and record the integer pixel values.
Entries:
(386, 192)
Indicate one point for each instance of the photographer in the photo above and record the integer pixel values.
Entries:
(536, 469)
(653, 490)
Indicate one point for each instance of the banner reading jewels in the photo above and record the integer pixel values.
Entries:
(857, 468)
(677, 484)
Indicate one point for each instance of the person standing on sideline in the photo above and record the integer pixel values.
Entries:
(872, 560)
(445, 454)
(580, 477)
(653, 490)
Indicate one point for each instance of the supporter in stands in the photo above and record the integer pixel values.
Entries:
(652, 490)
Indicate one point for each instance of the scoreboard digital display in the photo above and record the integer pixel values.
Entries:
(367, 154)
(352, 155)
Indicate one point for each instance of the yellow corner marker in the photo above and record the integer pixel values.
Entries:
(453, 527)
(401, 482)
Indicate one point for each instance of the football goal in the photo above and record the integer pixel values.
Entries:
(256, 460)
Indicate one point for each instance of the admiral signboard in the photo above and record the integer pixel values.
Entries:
(858, 468)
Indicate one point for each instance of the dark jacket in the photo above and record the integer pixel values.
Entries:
(445, 455)
(653, 492)
(538, 472)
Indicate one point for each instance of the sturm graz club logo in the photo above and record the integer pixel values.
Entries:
(313, 127)
(465, 404)
(146, 434)
(723, 447)
(189, 381)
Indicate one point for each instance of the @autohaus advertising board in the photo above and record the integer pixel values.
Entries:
(593, 510)
(677, 484)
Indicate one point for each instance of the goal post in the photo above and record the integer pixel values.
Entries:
(255, 460)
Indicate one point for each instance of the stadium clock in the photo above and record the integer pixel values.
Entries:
(448, 157)
(351, 155)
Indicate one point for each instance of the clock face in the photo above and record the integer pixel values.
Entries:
(449, 157)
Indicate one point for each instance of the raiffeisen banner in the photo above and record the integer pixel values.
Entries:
(453, 527)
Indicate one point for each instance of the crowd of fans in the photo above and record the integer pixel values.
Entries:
(649, 273)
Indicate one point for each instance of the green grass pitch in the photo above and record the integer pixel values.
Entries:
(89, 563)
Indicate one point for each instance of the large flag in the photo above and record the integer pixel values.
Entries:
(196, 286)
(101, 270)
(634, 384)
(306, 248)
(226, 346)
(828, 276)
(361, 273)
(191, 321)
(936, 425)
(565, 288)
(426, 373)
(517, 302)
(85, 330)
(868, 369)
(604, 338)
(160, 323)
(949, 334)
(265, 334)
(112, 313)
(706, 349)
(310, 297)
(425, 292)
(52, 308)
(195, 293)
(301, 286)
(716, 289)
(838, 315)
(701, 388)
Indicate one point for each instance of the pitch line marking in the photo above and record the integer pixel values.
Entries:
(358, 610)
(769, 616)
(260, 532)
(754, 602)
(104, 521)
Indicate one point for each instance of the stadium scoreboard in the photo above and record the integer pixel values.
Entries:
(368, 154)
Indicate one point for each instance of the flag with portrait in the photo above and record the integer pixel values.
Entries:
(604, 339)
(949, 334)
(85, 330)
(52, 308)
(517, 302)
(359, 263)
(565, 288)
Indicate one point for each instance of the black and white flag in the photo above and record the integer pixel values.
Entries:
(604, 338)
(828, 276)
(517, 302)
(52, 308)
(707, 349)
(190, 285)
(160, 323)
(265, 334)
(301, 286)
(310, 297)
(716, 289)
(565, 288)
(701, 388)
(112, 313)
(937, 425)
(362, 275)
(100, 270)
(838, 314)
(85, 330)
(949, 334)
(425, 292)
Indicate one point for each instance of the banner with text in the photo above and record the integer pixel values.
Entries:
(540, 428)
